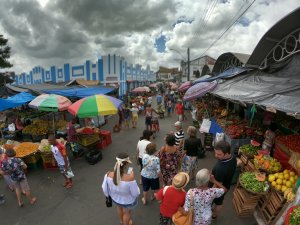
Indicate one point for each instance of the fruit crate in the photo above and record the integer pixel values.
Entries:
(27, 137)
(32, 159)
(86, 140)
(271, 206)
(245, 202)
(48, 160)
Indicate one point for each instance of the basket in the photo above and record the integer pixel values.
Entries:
(252, 192)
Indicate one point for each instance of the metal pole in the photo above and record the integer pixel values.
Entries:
(188, 64)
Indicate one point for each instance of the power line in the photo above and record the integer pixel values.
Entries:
(228, 28)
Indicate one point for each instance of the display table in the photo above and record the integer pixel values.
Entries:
(236, 143)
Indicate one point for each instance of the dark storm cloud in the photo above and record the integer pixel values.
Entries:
(110, 17)
(38, 33)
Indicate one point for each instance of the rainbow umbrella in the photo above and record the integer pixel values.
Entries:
(50, 103)
(95, 105)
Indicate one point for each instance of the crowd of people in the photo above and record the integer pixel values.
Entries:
(165, 173)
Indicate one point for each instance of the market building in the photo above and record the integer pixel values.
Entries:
(109, 70)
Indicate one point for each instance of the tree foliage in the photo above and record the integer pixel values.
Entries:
(4, 53)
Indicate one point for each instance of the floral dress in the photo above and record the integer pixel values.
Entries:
(169, 165)
(202, 204)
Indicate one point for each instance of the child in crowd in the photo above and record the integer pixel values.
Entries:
(169, 107)
(126, 114)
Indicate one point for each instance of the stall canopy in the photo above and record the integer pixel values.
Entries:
(280, 90)
(15, 101)
(81, 92)
(229, 73)
(198, 90)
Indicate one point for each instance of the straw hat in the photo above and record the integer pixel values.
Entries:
(180, 180)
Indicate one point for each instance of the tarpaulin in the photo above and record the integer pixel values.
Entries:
(280, 90)
(231, 72)
(15, 101)
(81, 92)
(198, 90)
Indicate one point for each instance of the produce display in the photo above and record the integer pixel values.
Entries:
(242, 131)
(249, 149)
(267, 163)
(61, 125)
(295, 216)
(253, 182)
(283, 181)
(289, 195)
(36, 129)
(292, 142)
(25, 149)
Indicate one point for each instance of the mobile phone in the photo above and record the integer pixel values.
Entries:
(130, 169)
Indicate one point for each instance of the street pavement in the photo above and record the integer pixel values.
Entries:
(84, 204)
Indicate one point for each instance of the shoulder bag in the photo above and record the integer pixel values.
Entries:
(108, 200)
(185, 219)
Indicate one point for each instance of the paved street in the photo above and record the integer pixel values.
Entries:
(84, 204)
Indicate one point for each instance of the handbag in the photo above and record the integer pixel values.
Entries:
(185, 219)
(108, 199)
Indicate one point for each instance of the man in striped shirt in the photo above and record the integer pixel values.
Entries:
(179, 135)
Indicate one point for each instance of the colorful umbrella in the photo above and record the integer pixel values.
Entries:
(153, 85)
(198, 90)
(141, 89)
(186, 85)
(95, 105)
(50, 103)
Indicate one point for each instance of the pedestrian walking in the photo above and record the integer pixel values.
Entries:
(126, 115)
(158, 99)
(172, 197)
(141, 148)
(135, 115)
(6, 176)
(223, 171)
(202, 197)
(72, 137)
(60, 155)
(179, 108)
(170, 159)
(15, 168)
(148, 116)
(150, 172)
(121, 186)
(179, 135)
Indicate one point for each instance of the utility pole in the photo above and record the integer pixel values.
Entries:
(188, 64)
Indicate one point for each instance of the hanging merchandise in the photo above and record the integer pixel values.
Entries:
(253, 111)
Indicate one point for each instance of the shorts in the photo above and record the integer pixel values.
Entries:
(62, 168)
(150, 183)
(148, 121)
(219, 201)
(135, 118)
(127, 206)
(22, 185)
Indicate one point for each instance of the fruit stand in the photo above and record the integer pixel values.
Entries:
(267, 207)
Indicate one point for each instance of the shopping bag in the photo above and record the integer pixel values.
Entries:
(181, 219)
(205, 126)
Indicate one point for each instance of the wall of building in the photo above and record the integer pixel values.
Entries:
(110, 69)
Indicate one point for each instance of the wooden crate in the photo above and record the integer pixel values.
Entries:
(271, 205)
(245, 202)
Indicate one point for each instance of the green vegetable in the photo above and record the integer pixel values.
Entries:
(249, 182)
(249, 149)
(295, 217)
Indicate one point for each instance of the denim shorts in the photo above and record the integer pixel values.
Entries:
(127, 206)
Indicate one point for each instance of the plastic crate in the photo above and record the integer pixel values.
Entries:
(32, 159)
(86, 140)
(106, 136)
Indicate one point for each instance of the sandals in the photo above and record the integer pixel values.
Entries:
(69, 185)
(21, 205)
(33, 201)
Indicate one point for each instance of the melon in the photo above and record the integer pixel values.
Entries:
(255, 143)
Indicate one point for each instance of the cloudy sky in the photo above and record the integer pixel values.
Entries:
(154, 32)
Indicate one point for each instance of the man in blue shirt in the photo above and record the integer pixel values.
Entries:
(158, 99)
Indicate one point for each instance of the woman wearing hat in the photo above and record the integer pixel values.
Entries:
(122, 187)
(15, 168)
(203, 197)
(172, 197)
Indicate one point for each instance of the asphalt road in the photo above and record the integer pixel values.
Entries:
(84, 204)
